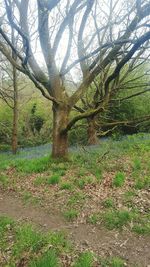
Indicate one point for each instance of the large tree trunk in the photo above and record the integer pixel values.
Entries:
(60, 140)
(15, 114)
(92, 132)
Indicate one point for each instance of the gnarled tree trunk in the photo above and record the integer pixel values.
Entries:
(60, 140)
(92, 132)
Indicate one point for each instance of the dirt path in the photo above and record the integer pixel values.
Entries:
(134, 249)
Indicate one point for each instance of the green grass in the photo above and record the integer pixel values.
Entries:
(86, 259)
(66, 186)
(94, 218)
(4, 180)
(128, 198)
(5, 224)
(49, 259)
(128, 195)
(142, 182)
(108, 203)
(39, 181)
(119, 179)
(70, 214)
(24, 241)
(52, 180)
(5, 229)
(59, 241)
(113, 262)
(81, 172)
(76, 199)
(29, 198)
(35, 165)
(119, 219)
(32, 165)
(137, 164)
(82, 182)
(59, 166)
(27, 239)
(97, 172)
(142, 229)
(116, 219)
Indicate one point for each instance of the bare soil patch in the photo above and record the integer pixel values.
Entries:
(133, 248)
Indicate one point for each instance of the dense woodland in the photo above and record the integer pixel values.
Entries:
(74, 133)
(96, 87)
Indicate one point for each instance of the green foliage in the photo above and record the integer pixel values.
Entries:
(119, 179)
(4, 147)
(33, 129)
(49, 259)
(132, 108)
(78, 136)
(86, 259)
(5, 125)
(36, 121)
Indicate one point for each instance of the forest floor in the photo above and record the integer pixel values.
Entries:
(96, 208)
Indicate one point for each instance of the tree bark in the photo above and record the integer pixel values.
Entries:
(15, 114)
(60, 140)
(92, 132)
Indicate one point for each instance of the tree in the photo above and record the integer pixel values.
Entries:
(74, 22)
(132, 83)
(9, 94)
